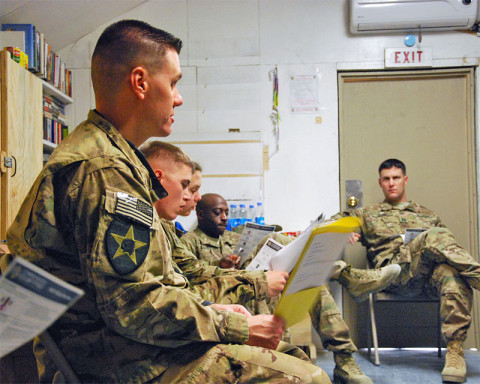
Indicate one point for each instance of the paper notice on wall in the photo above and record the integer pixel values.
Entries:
(303, 93)
(30, 301)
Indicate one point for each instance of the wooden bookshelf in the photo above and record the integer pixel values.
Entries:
(54, 92)
(50, 90)
(48, 146)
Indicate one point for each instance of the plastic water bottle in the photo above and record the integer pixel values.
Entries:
(250, 213)
(242, 215)
(232, 216)
(259, 219)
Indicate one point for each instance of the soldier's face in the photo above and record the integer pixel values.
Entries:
(393, 182)
(214, 220)
(175, 179)
(163, 95)
(195, 191)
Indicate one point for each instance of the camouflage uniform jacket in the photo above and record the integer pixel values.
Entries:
(208, 248)
(384, 224)
(198, 271)
(89, 219)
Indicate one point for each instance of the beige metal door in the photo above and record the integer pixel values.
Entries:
(21, 135)
(424, 118)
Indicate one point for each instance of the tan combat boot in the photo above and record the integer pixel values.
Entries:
(347, 370)
(361, 282)
(455, 369)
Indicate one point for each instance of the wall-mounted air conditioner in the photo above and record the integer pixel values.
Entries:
(370, 16)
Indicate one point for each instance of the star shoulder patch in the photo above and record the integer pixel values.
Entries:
(127, 245)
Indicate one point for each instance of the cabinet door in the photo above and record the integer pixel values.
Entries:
(21, 135)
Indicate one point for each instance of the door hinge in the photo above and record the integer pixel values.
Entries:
(5, 162)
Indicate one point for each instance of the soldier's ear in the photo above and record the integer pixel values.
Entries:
(138, 82)
(160, 175)
(406, 179)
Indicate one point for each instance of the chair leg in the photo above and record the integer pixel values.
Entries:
(439, 334)
(374, 329)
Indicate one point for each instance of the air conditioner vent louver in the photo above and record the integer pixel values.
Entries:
(370, 16)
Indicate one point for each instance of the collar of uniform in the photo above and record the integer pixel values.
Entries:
(226, 238)
(156, 186)
(229, 238)
(167, 224)
(126, 147)
(412, 206)
(208, 240)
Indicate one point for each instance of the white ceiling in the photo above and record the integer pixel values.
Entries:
(64, 21)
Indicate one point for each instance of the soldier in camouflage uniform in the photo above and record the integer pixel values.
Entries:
(173, 168)
(433, 262)
(90, 220)
(211, 243)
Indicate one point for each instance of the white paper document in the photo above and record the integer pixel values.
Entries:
(324, 250)
(261, 262)
(30, 301)
(411, 233)
(309, 260)
(251, 235)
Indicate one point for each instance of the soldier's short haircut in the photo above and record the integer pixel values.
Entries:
(125, 45)
(158, 149)
(196, 167)
(390, 163)
(203, 204)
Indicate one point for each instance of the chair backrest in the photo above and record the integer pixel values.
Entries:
(356, 255)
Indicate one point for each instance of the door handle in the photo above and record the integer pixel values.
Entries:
(354, 193)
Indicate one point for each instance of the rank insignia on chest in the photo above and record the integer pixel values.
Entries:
(403, 220)
(127, 245)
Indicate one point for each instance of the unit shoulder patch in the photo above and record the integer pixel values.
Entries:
(127, 245)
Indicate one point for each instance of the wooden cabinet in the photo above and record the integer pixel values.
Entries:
(21, 132)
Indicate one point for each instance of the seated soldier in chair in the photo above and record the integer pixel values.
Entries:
(432, 262)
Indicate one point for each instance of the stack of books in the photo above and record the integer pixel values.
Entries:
(55, 127)
(42, 60)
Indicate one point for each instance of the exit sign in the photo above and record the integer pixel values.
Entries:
(408, 57)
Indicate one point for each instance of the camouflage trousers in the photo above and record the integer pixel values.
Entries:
(329, 323)
(435, 264)
(222, 363)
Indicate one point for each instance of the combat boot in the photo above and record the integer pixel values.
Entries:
(361, 282)
(455, 370)
(347, 370)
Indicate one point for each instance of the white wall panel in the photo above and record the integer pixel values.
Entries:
(223, 32)
(233, 97)
(186, 115)
(233, 44)
(219, 158)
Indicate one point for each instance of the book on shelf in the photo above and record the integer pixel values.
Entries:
(42, 60)
(55, 127)
(29, 30)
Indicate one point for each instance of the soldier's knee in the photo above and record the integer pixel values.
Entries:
(449, 282)
(438, 231)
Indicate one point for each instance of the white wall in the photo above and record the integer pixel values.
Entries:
(229, 48)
